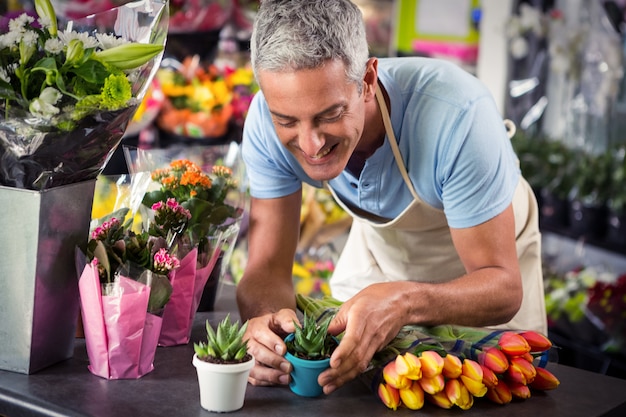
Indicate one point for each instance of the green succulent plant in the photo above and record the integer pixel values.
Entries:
(224, 345)
(312, 340)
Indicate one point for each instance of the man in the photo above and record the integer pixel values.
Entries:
(445, 229)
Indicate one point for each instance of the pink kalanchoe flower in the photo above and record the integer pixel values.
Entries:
(101, 232)
(164, 262)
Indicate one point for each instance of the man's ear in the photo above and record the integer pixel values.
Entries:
(370, 80)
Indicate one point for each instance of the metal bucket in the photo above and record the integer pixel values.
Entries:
(39, 299)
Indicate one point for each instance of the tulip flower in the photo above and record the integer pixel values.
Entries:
(472, 369)
(409, 365)
(521, 371)
(391, 377)
(453, 390)
(452, 366)
(458, 394)
(519, 391)
(413, 397)
(513, 344)
(432, 363)
(476, 388)
(490, 379)
(536, 341)
(494, 359)
(433, 385)
(544, 380)
(466, 401)
(389, 396)
(440, 399)
(500, 394)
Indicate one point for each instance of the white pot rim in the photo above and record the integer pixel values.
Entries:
(225, 368)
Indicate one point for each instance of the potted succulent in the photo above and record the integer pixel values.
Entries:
(308, 350)
(223, 365)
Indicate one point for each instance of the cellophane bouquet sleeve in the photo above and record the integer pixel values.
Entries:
(69, 87)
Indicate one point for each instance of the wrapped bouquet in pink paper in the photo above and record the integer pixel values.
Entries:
(213, 224)
(124, 288)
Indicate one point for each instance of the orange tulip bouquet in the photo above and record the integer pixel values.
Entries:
(452, 366)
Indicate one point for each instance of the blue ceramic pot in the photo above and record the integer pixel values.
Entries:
(305, 373)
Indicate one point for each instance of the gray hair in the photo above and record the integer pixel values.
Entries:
(304, 34)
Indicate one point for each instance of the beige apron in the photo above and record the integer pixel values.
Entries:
(417, 245)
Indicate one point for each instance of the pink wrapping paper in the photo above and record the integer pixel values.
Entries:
(188, 283)
(120, 335)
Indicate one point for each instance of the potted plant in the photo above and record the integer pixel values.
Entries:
(223, 365)
(308, 350)
(589, 196)
(616, 228)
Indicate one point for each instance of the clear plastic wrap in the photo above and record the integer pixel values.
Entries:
(37, 152)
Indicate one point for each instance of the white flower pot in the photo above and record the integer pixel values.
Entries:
(222, 386)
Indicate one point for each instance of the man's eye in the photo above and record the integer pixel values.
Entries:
(332, 118)
(285, 123)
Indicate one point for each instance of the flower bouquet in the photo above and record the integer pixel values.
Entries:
(67, 95)
(201, 101)
(124, 289)
(213, 223)
(67, 90)
(451, 366)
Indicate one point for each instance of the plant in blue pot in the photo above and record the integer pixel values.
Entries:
(308, 350)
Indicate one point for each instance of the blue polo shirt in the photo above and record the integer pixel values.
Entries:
(449, 132)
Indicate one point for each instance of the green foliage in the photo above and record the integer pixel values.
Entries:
(312, 340)
(224, 345)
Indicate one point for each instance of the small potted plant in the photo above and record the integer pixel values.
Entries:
(308, 350)
(223, 365)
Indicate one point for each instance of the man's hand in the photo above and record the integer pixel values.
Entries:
(265, 342)
(370, 319)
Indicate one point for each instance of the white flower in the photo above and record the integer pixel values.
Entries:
(44, 105)
(18, 24)
(54, 46)
(107, 41)
(88, 41)
(30, 38)
(10, 39)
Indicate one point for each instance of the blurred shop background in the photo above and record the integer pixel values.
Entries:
(555, 68)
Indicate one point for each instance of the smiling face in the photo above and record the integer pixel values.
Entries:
(319, 116)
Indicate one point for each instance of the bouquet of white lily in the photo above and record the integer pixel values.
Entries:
(69, 89)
